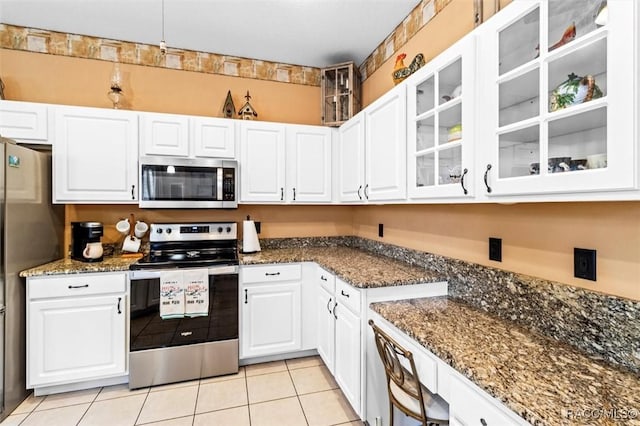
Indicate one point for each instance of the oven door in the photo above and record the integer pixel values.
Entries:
(187, 183)
(149, 331)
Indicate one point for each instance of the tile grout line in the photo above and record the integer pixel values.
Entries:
(246, 389)
(297, 394)
(195, 405)
(146, 396)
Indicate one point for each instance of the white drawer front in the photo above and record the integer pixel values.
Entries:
(473, 406)
(271, 273)
(348, 296)
(76, 285)
(327, 280)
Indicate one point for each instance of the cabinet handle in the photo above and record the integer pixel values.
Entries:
(334, 310)
(119, 310)
(483, 422)
(281, 194)
(133, 189)
(344, 294)
(323, 278)
(245, 297)
(271, 274)
(360, 189)
(79, 286)
(486, 172)
(328, 303)
(464, 173)
(366, 193)
(294, 194)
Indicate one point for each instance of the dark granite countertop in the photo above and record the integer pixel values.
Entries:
(537, 377)
(357, 267)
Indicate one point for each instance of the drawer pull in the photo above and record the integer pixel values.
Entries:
(328, 303)
(271, 274)
(464, 190)
(344, 294)
(323, 278)
(483, 422)
(79, 286)
(119, 310)
(486, 183)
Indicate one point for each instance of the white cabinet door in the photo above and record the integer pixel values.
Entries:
(271, 319)
(76, 339)
(164, 134)
(351, 160)
(539, 143)
(95, 155)
(441, 125)
(262, 165)
(386, 147)
(24, 121)
(347, 354)
(326, 328)
(308, 164)
(213, 137)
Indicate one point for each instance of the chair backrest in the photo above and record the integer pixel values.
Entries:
(397, 362)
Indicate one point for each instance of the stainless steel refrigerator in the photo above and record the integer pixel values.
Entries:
(30, 235)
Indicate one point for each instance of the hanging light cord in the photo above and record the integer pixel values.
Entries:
(162, 20)
(163, 44)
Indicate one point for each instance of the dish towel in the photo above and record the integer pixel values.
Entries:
(171, 294)
(196, 292)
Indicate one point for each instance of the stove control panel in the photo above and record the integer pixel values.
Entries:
(161, 232)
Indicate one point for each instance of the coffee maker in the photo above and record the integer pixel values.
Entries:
(85, 241)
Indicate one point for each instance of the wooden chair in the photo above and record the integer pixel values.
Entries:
(403, 384)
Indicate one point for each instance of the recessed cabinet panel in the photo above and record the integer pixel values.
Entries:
(24, 121)
(351, 160)
(165, 134)
(213, 137)
(262, 165)
(308, 164)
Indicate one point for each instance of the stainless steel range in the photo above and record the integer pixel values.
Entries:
(177, 345)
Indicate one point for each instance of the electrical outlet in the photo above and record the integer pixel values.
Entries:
(380, 230)
(257, 227)
(584, 264)
(495, 249)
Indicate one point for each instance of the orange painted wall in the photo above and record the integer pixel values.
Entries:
(39, 77)
(538, 239)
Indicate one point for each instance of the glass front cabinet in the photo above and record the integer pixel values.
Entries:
(556, 103)
(440, 124)
(340, 87)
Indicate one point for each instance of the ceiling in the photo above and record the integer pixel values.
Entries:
(303, 32)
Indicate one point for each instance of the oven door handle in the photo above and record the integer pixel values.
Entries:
(147, 274)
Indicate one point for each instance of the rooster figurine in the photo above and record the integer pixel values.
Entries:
(400, 71)
(568, 35)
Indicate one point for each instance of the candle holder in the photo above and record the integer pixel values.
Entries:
(115, 94)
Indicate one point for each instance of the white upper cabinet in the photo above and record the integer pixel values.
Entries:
(441, 125)
(186, 136)
(558, 102)
(262, 161)
(164, 134)
(95, 155)
(386, 147)
(308, 164)
(285, 163)
(213, 137)
(24, 122)
(351, 159)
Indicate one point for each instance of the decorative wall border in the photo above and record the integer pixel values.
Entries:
(418, 18)
(80, 46)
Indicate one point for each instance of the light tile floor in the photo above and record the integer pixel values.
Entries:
(298, 392)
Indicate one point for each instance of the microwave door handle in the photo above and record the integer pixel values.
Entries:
(219, 175)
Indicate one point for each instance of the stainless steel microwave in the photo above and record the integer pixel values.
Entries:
(187, 183)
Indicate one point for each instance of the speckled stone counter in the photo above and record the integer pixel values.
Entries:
(69, 266)
(357, 267)
(539, 378)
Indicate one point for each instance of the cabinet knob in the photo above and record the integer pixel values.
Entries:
(486, 183)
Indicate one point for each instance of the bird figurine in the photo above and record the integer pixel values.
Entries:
(568, 35)
(400, 71)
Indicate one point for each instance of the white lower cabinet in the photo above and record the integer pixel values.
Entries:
(326, 328)
(348, 355)
(76, 328)
(271, 310)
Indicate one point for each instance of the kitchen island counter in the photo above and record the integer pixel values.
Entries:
(357, 267)
(543, 380)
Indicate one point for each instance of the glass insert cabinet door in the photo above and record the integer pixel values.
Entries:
(440, 102)
(558, 98)
(340, 87)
